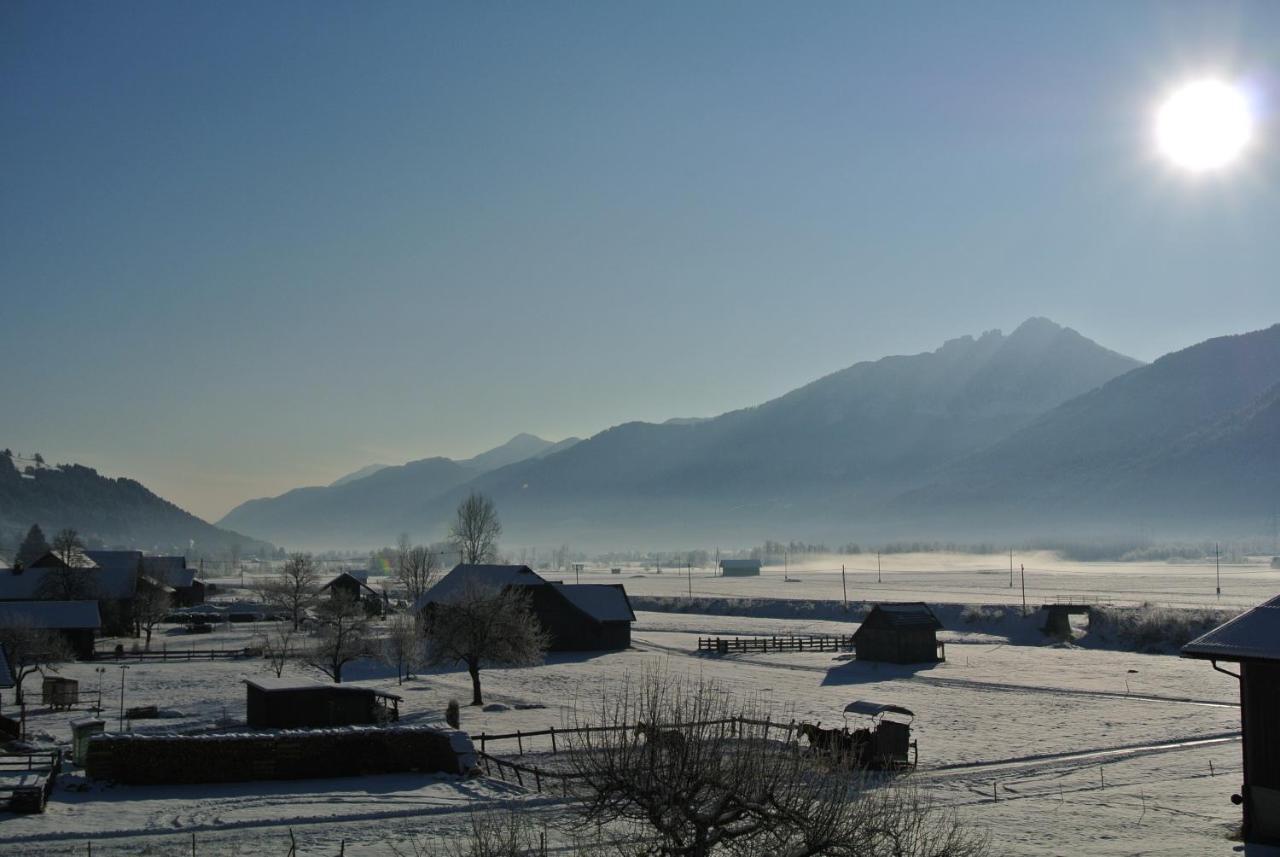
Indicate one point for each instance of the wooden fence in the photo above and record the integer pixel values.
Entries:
(789, 643)
(167, 654)
(532, 775)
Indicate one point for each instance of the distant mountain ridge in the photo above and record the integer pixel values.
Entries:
(808, 461)
(358, 508)
(1192, 439)
(105, 511)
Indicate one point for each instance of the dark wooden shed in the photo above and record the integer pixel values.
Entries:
(348, 585)
(902, 633)
(290, 703)
(1252, 640)
(740, 567)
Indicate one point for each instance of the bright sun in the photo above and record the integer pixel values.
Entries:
(1204, 125)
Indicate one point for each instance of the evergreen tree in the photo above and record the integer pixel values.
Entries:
(33, 546)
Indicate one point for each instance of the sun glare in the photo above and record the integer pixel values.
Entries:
(1204, 125)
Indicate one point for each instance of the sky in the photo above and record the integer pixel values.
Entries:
(250, 246)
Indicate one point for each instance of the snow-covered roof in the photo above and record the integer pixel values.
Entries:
(346, 575)
(51, 614)
(271, 683)
(909, 614)
(604, 602)
(6, 677)
(493, 576)
(170, 569)
(25, 584)
(1252, 636)
(115, 559)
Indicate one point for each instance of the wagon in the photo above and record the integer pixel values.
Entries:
(885, 743)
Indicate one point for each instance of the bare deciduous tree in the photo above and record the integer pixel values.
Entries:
(279, 646)
(150, 606)
(417, 568)
(403, 646)
(481, 625)
(295, 590)
(71, 580)
(476, 529)
(341, 637)
(700, 779)
(31, 650)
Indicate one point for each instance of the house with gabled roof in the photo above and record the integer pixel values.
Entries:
(1252, 640)
(576, 617)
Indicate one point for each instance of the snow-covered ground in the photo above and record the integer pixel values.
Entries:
(1055, 749)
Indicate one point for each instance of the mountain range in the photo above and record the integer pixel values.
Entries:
(1040, 432)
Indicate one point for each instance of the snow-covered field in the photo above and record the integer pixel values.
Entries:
(1054, 749)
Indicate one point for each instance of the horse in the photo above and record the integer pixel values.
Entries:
(836, 744)
(656, 738)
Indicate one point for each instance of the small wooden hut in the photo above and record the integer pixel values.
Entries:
(740, 567)
(275, 703)
(903, 633)
(1252, 640)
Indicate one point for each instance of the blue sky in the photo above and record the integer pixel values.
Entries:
(249, 246)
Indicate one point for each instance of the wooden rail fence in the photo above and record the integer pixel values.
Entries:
(536, 775)
(166, 654)
(35, 775)
(788, 643)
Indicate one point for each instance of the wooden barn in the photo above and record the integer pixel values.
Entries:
(77, 621)
(577, 617)
(903, 633)
(291, 703)
(349, 585)
(1252, 640)
(740, 567)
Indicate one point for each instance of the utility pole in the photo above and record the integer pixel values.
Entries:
(123, 667)
(688, 570)
(718, 561)
(1023, 567)
(1217, 569)
(844, 584)
(877, 566)
(1011, 568)
(786, 568)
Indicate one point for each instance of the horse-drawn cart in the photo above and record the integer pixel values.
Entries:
(889, 738)
(884, 744)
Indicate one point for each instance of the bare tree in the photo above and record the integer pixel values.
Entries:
(71, 580)
(475, 531)
(150, 606)
(481, 625)
(279, 646)
(402, 648)
(342, 636)
(417, 569)
(686, 770)
(295, 590)
(31, 650)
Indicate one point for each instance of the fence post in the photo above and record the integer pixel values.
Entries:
(519, 743)
(553, 741)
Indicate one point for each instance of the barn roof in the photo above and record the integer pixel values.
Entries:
(6, 677)
(24, 585)
(1254, 635)
(115, 559)
(907, 614)
(604, 602)
(493, 576)
(170, 569)
(271, 684)
(69, 615)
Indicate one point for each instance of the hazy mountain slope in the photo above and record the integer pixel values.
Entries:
(374, 508)
(111, 512)
(367, 470)
(814, 455)
(1173, 441)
